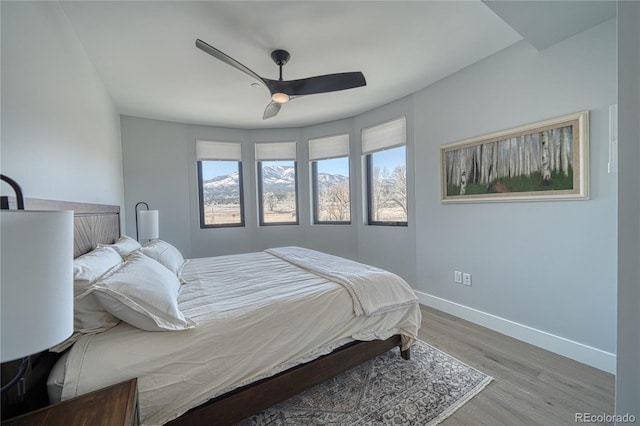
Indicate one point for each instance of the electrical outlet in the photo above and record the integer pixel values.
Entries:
(466, 279)
(457, 276)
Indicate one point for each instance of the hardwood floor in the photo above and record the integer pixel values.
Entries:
(531, 386)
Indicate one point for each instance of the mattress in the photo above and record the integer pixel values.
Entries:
(257, 315)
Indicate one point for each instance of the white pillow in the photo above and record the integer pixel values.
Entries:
(89, 317)
(143, 293)
(164, 253)
(124, 246)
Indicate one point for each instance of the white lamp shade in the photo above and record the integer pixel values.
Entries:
(148, 224)
(36, 281)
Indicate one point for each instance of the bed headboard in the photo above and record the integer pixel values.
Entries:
(93, 223)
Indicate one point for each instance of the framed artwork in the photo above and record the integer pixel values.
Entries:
(547, 160)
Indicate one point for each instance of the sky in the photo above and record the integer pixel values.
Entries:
(211, 169)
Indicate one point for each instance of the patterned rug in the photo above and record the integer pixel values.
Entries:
(384, 391)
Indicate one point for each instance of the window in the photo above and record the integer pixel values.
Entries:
(330, 179)
(220, 184)
(386, 164)
(277, 183)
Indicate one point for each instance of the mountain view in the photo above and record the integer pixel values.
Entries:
(222, 198)
(276, 179)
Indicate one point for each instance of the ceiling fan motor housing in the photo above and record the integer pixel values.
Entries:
(280, 57)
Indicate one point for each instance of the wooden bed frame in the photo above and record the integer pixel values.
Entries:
(246, 401)
(94, 223)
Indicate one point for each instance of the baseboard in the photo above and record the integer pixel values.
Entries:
(594, 357)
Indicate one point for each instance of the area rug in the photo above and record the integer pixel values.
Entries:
(386, 390)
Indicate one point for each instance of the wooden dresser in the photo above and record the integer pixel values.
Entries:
(115, 405)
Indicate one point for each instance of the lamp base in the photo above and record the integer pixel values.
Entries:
(34, 395)
(18, 379)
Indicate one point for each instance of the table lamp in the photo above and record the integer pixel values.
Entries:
(36, 282)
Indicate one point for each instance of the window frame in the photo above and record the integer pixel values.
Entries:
(369, 173)
(261, 221)
(315, 198)
(203, 225)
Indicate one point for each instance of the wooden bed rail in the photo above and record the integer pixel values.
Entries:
(246, 401)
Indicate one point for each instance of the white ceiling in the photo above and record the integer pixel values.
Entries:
(145, 53)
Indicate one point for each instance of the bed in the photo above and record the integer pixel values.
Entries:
(256, 329)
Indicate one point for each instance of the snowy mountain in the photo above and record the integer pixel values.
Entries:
(222, 187)
(327, 180)
(276, 179)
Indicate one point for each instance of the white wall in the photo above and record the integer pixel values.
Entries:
(219, 241)
(546, 269)
(341, 240)
(628, 360)
(389, 247)
(60, 130)
(546, 265)
(156, 172)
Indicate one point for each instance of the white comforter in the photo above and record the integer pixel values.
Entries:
(373, 290)
(257, 315)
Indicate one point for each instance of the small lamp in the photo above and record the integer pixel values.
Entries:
(36, 282)
(147, 223)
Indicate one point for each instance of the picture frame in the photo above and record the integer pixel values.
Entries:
(545, 160)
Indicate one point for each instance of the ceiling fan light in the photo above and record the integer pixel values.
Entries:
(280, 98)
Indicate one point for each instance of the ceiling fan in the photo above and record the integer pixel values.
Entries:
(282, 91)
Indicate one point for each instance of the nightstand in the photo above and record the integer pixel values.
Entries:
(115, 405)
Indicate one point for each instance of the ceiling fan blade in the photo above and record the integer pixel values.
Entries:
(226, 59)
(319, 84)
(271, 110)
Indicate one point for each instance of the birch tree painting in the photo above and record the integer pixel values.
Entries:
(542, 160)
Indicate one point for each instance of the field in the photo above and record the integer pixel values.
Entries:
(282, 213)
(222, 214)
(391, 214)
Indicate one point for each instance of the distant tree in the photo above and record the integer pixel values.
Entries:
(389, 191)
(338, 202)
(209, 206)
(398, 193)
(271, 200)
(380, 192)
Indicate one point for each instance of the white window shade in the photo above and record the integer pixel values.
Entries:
(212, 150)
(329, 147)
(266, 151)
(384, 136)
